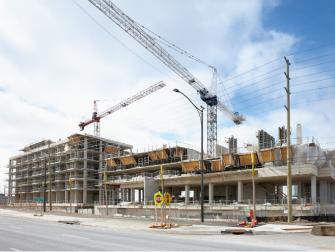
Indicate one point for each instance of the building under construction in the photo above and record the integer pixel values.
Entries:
(61, 172)
(84, 170)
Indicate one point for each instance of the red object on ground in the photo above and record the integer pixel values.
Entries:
(243, 223)
(251, 214)
(254, 222)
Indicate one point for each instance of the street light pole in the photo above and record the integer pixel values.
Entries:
(200, 111)
(201, 114)
(45, 185)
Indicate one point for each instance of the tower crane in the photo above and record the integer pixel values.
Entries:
(137, 32)
(96, 117)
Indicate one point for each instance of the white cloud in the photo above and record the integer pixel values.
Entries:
(60, 61)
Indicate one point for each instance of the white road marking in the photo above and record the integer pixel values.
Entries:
(75, 236)
(15, 249)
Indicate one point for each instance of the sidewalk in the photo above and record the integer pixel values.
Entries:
(143, 224)
(112, 222)
(265, 229)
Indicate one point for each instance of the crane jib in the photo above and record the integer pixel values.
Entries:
(133, 29)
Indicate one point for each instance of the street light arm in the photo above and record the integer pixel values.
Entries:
(196, 107)
(201, 113)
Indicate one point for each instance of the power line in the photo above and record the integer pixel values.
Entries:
(311, 74)
(313, 58)
(279, 58)
(259, 95)
(256, 83)
(119, 41)
(261, 75)
(312, 81)
(312, 65)
(309, 90)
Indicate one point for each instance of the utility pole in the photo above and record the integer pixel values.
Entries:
(253, 183)
(288, 136)
(45, 185)
(49, 177)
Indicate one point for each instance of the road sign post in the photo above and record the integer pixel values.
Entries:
(39, 200)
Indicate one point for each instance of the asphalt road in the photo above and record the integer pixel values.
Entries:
(19, 234)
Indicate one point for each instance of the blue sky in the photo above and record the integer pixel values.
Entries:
(55, 61)
(307, 19)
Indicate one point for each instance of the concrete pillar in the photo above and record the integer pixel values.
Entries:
(65, 196)
(313, 189)
(323, 191)
(132, 195)
(139, 195)
(299, 185)
(75, 197)
(124, 195)
(187, 194)
(332, 193)
(239, 191)
(211, 193)
(227, 193)
(113, 194)
(85, 172)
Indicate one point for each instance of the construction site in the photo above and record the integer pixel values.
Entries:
(90, 174)
(107, 177)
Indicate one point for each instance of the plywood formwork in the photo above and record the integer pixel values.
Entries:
(283, 153)
(190, 166)
(217, 165)
(111, 162)
(153, 155)
(266, 155)
(162, 154)
(111, 149)
(228, 159)
(158, 155)
(246, 159)
(76, 138)
(128, 160)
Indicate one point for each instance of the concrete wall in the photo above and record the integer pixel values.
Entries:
(151, 186)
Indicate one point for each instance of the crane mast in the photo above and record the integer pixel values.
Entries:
(96, 117)
(135, 31)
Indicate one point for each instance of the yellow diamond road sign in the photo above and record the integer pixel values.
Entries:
(167, 198)
(158, 199)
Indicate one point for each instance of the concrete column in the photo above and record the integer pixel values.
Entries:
(239, 191)
(227, 193)
(211, 193)
(124, 195)
(65, 196)
(75, 196)
(187, 194)
(323, 191)
(139, 195)
(132, 195)
(85, 172)
(313, 189)
(299, 185)
(113, 192)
